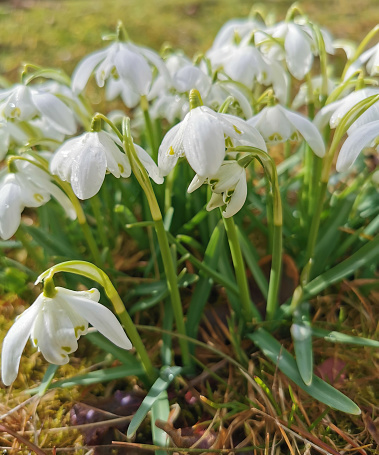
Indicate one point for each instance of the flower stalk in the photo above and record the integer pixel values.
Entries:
(171, 277)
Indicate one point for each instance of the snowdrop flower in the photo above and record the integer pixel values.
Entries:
(278, 124)
(243, 28)
(200, 137)
(300, 46)
(54, 324)
(246, 64)
(361, 138)
(371, 57)
(10, 133)
(125, 61)
(28, 186)
(334, 112)
(228, 185)
(23, 103)
(84, 160)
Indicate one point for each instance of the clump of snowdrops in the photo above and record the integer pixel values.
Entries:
(203, 155)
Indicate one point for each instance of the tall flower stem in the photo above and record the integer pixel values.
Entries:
(171, 276)
(341, 130)
(249, 310)
(149, 127)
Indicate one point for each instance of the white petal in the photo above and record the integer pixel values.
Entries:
(55, 112)
(309, 132)
(204, 143)
(171, 148)
(355, 143)
(53, 332)
(238, 198)
(149, 164)
(102, 319)
(132, 67)
(155, 59)
(250, 135)
(299, 55)
(117, 162)
(10, 207)
(215, 201)
(196, 183)
(84, 70)
(15, 341)
(61, 197)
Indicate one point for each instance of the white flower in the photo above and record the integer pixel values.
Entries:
(243, 28)
(228, 185)
(334, 112)
(23, 103)
(246, 64)
(297, 48)
(371, 57)
(361, 138)
(28, 187)
(127, 61)
(200, 137)
(54, 325)
(10, 132)
(278, 124)
(84, 160)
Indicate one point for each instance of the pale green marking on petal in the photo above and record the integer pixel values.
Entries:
(78, 329)
(237, 130)
(66, 348)
(38, 197)
(171, 151)
(121, 168)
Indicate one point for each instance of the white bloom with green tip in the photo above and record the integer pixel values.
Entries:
(229, 188)
(29, 186)
(54, 325)
(200, 137)
(278, 124)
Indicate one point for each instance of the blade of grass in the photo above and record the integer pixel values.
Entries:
(338, 337)
(160, 385)
(302, 339)
(319, 389)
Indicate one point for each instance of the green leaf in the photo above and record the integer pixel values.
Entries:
(204, 286)
(118, 353)
(338, 337)
(46, 381)
(319, 389)
(159, 386)
(160, 410)
(95, 377)
(364, 256)
(251, 258)
(301, 332)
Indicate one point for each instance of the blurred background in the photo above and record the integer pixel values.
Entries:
(58, 33)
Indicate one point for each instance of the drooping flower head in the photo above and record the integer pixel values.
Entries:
(26, 186)
(200, 137)
(54, 323)
(278, 124)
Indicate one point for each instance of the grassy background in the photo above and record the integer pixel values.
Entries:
(59, 33)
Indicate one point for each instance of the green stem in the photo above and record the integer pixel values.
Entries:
(248, 308)
(132, 332)
(171, 277)
(172, 284)
(149, 127)
(275, 273)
